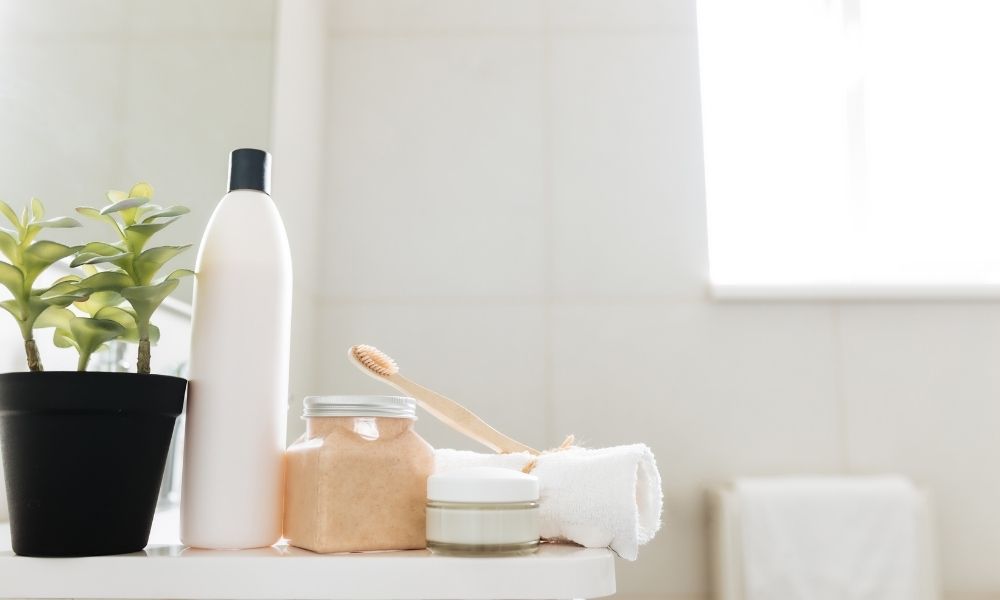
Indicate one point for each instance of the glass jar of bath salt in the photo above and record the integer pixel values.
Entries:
(357, 479)
(482, 511)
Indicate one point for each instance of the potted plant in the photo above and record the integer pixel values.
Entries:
(84, 451)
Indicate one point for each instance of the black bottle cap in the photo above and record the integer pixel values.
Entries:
(250, 169)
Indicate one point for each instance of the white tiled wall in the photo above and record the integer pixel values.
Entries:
(515, 211)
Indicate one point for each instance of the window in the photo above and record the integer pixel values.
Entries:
(852, 144)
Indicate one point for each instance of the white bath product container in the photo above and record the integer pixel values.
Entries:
(233, 480)
(482, 511)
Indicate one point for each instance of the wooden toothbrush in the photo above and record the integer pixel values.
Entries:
(380, 366)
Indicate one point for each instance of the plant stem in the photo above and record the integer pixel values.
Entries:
(34, 360)
(81, 364)
(143, 364)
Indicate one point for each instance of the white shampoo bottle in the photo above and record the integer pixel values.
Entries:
(233, 482)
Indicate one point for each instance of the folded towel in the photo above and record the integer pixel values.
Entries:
(829, 538)
(604, 498)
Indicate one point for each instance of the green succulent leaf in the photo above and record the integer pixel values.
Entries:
(98, 301)
(12, 279)
(10, 214)
(101, 248)
(62, 338)
(89, 334)
(63, 293)
(122, 205)
(113, 281)
(25, 217)
(149, 263)
(37, 210)
(146, 209)
(36, 306)
(62, 300)
(179, 273)
(150, 293)
(119, 315)
(55, 317)
(92, 258)
(57, 223)
(92, 333)
(146, 299)
(141, 190)
(14, 308)
(95, 214)
(45, 250)
(9, 247)
(137, 235)
(173, 211)
(41, 255)
(126, 319)
(60, 288)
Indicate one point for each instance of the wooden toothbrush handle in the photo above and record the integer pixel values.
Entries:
(457, 416)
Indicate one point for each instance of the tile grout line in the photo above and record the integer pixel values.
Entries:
(526, 32)
(548, 242)
(162, 37)
(323, 209)
(839, 395)
(525, 300)
(120, 101)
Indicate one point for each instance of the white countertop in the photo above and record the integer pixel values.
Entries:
(167, 569)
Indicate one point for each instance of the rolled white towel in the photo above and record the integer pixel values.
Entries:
(607, 497)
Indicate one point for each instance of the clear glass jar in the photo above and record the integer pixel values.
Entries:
(356, 481)
(482, 511)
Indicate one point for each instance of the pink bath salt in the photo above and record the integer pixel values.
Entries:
(357, 483)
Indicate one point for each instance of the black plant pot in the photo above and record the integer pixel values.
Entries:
(83, 455)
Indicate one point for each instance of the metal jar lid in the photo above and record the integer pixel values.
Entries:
(400, 407)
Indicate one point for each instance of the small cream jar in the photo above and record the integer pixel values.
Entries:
(482, 511)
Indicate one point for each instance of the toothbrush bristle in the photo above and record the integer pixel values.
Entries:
(375, 360)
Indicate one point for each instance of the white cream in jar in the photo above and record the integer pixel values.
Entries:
(482, 511)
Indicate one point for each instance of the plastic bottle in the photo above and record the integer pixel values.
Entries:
(233, 481)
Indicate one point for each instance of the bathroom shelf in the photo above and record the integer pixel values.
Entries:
(168, 570)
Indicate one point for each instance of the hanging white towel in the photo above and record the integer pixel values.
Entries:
(608, 497)
(829, 538)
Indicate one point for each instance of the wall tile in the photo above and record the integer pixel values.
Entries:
(434, 16)
(717, 391)
(620, 15)
(627, 182)
(435, 181)
(59, 115)
(921, 385)
(59, 19)
(214, 18)
(488, 357)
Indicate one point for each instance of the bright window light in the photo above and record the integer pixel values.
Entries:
(852, 143)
